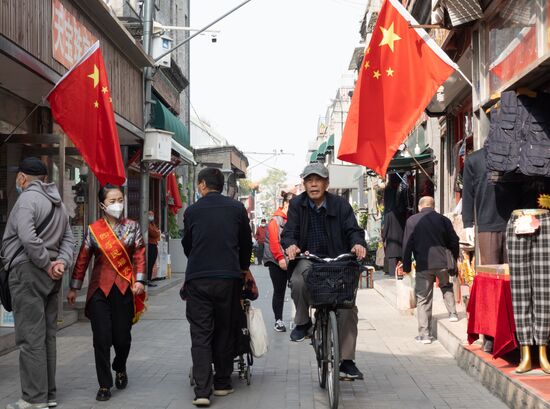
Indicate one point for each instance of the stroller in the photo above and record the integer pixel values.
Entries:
(243, 359)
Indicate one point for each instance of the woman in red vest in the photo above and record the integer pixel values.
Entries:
(116, 289)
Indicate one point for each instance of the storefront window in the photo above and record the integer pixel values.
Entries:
(512, 42)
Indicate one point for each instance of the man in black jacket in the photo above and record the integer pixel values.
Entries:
(217, 242)
(430, 237)
(325, 225)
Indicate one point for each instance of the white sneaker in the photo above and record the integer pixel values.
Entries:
(223, 392)
(423, 340)
(453, 317)
(201, 402)
(22, 404)
(52, 403)
(280, 326)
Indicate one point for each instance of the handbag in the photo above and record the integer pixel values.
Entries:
(5, 294)
(259, 342)
(451, 263)
(406, 297)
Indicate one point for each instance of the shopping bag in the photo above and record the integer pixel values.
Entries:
(259, 343)
(406, 298)
(380, 256)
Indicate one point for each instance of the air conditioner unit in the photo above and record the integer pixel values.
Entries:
(161, 44)
(157, 145)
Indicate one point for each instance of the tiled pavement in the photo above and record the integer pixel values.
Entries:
(398, 372)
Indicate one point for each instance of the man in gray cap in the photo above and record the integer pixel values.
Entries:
(38, 245)
(325, 225)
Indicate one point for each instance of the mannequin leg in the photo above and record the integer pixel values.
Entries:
(525, 364)
(543, 358)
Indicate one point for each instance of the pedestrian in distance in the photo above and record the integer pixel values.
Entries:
(261, 231)
(153, 238)
(431, 238)
(218, 245)
(275, 260)
(322, 224)
(116, 287)
(38, 262)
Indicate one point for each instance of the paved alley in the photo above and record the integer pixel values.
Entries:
(399, 373)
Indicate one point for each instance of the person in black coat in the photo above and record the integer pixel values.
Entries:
(431, 238)
(217, 241)
(325, 225)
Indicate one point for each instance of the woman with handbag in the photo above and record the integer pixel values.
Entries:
(116, 292)
(274, 259)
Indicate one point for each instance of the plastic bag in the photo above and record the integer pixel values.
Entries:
(380, 256)
(259, 343)
(406, 298)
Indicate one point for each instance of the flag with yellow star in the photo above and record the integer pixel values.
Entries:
(400, 73)
(82, 105)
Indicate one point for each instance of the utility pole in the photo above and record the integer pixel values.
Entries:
(147, 100)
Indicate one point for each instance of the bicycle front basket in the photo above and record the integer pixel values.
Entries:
(333, 284)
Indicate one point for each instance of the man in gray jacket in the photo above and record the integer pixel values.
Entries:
(35, 279)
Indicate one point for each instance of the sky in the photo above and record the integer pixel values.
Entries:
(272, 72)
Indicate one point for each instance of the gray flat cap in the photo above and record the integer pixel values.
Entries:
(315, 169)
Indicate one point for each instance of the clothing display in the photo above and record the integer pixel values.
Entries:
(529, 256)
(519, 135)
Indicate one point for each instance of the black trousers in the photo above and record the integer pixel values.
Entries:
(111, 319)
(260, 252)
(213, 312)
(153, 252)
(279, 278)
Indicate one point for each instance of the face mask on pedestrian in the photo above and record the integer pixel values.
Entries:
(18, 187)
(114, 209)
(151, 218)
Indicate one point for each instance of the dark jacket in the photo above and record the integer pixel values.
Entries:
(216, 238)
(427, 235)
(342, 229)
(491, 203)
(392, 233)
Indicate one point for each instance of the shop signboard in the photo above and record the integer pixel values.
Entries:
(70, 39)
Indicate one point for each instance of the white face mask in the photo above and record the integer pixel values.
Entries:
(151, 218)
(114, 210)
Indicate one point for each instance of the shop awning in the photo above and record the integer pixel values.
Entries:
(184, 153)
(164, 119)
(330, 142)
(406, 163)
(322, 151)
(313, 157)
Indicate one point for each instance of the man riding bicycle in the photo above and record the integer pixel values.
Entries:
(322, 224)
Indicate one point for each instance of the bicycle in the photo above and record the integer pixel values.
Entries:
(332, 285)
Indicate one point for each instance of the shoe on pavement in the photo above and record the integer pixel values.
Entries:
(121, 380)
(487, 345)
(201, 402)
(279, 326)
(223, 392)
(23, 404)
(423, 340)
(453, 317)
(151, 284)
(103, 394)
(348, 370)
(52, 403)
(300, 332)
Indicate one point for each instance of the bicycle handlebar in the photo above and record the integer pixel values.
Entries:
(310, 256)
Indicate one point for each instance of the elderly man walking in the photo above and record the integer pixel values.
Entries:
(430, 237)
(37, 262)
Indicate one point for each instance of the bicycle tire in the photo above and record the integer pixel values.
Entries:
(318, 345)
(333, 360)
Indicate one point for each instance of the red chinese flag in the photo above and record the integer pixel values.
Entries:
(81, 104)
(401, 71)
(173, 194)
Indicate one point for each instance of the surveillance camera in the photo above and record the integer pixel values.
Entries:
(214, 39)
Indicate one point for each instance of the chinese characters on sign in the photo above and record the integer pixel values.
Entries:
(70, 39)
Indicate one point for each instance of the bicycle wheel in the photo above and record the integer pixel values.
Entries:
(318, 346)
(333, 360)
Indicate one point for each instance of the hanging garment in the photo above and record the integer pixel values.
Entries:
(529, 260)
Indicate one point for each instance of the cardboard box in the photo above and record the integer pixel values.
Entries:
(493, 269)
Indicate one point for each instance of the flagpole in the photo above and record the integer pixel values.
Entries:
(22, 121)
(419, 165)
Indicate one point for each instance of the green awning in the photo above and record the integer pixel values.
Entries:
(164, 119)
(322, 151)
(330, 142)
(313, 157)
(406, 163)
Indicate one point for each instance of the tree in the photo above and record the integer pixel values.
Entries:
(270, 187)
(247, 187)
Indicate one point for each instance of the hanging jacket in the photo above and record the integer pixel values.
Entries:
(519, 135)
(273, 252)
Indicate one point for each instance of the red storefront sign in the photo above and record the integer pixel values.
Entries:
(70, 39)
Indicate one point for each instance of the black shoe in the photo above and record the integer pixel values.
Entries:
(151, 284)
(488, 345)
(348, 370)
(103, 394)
(121, 380)
(300, 332)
